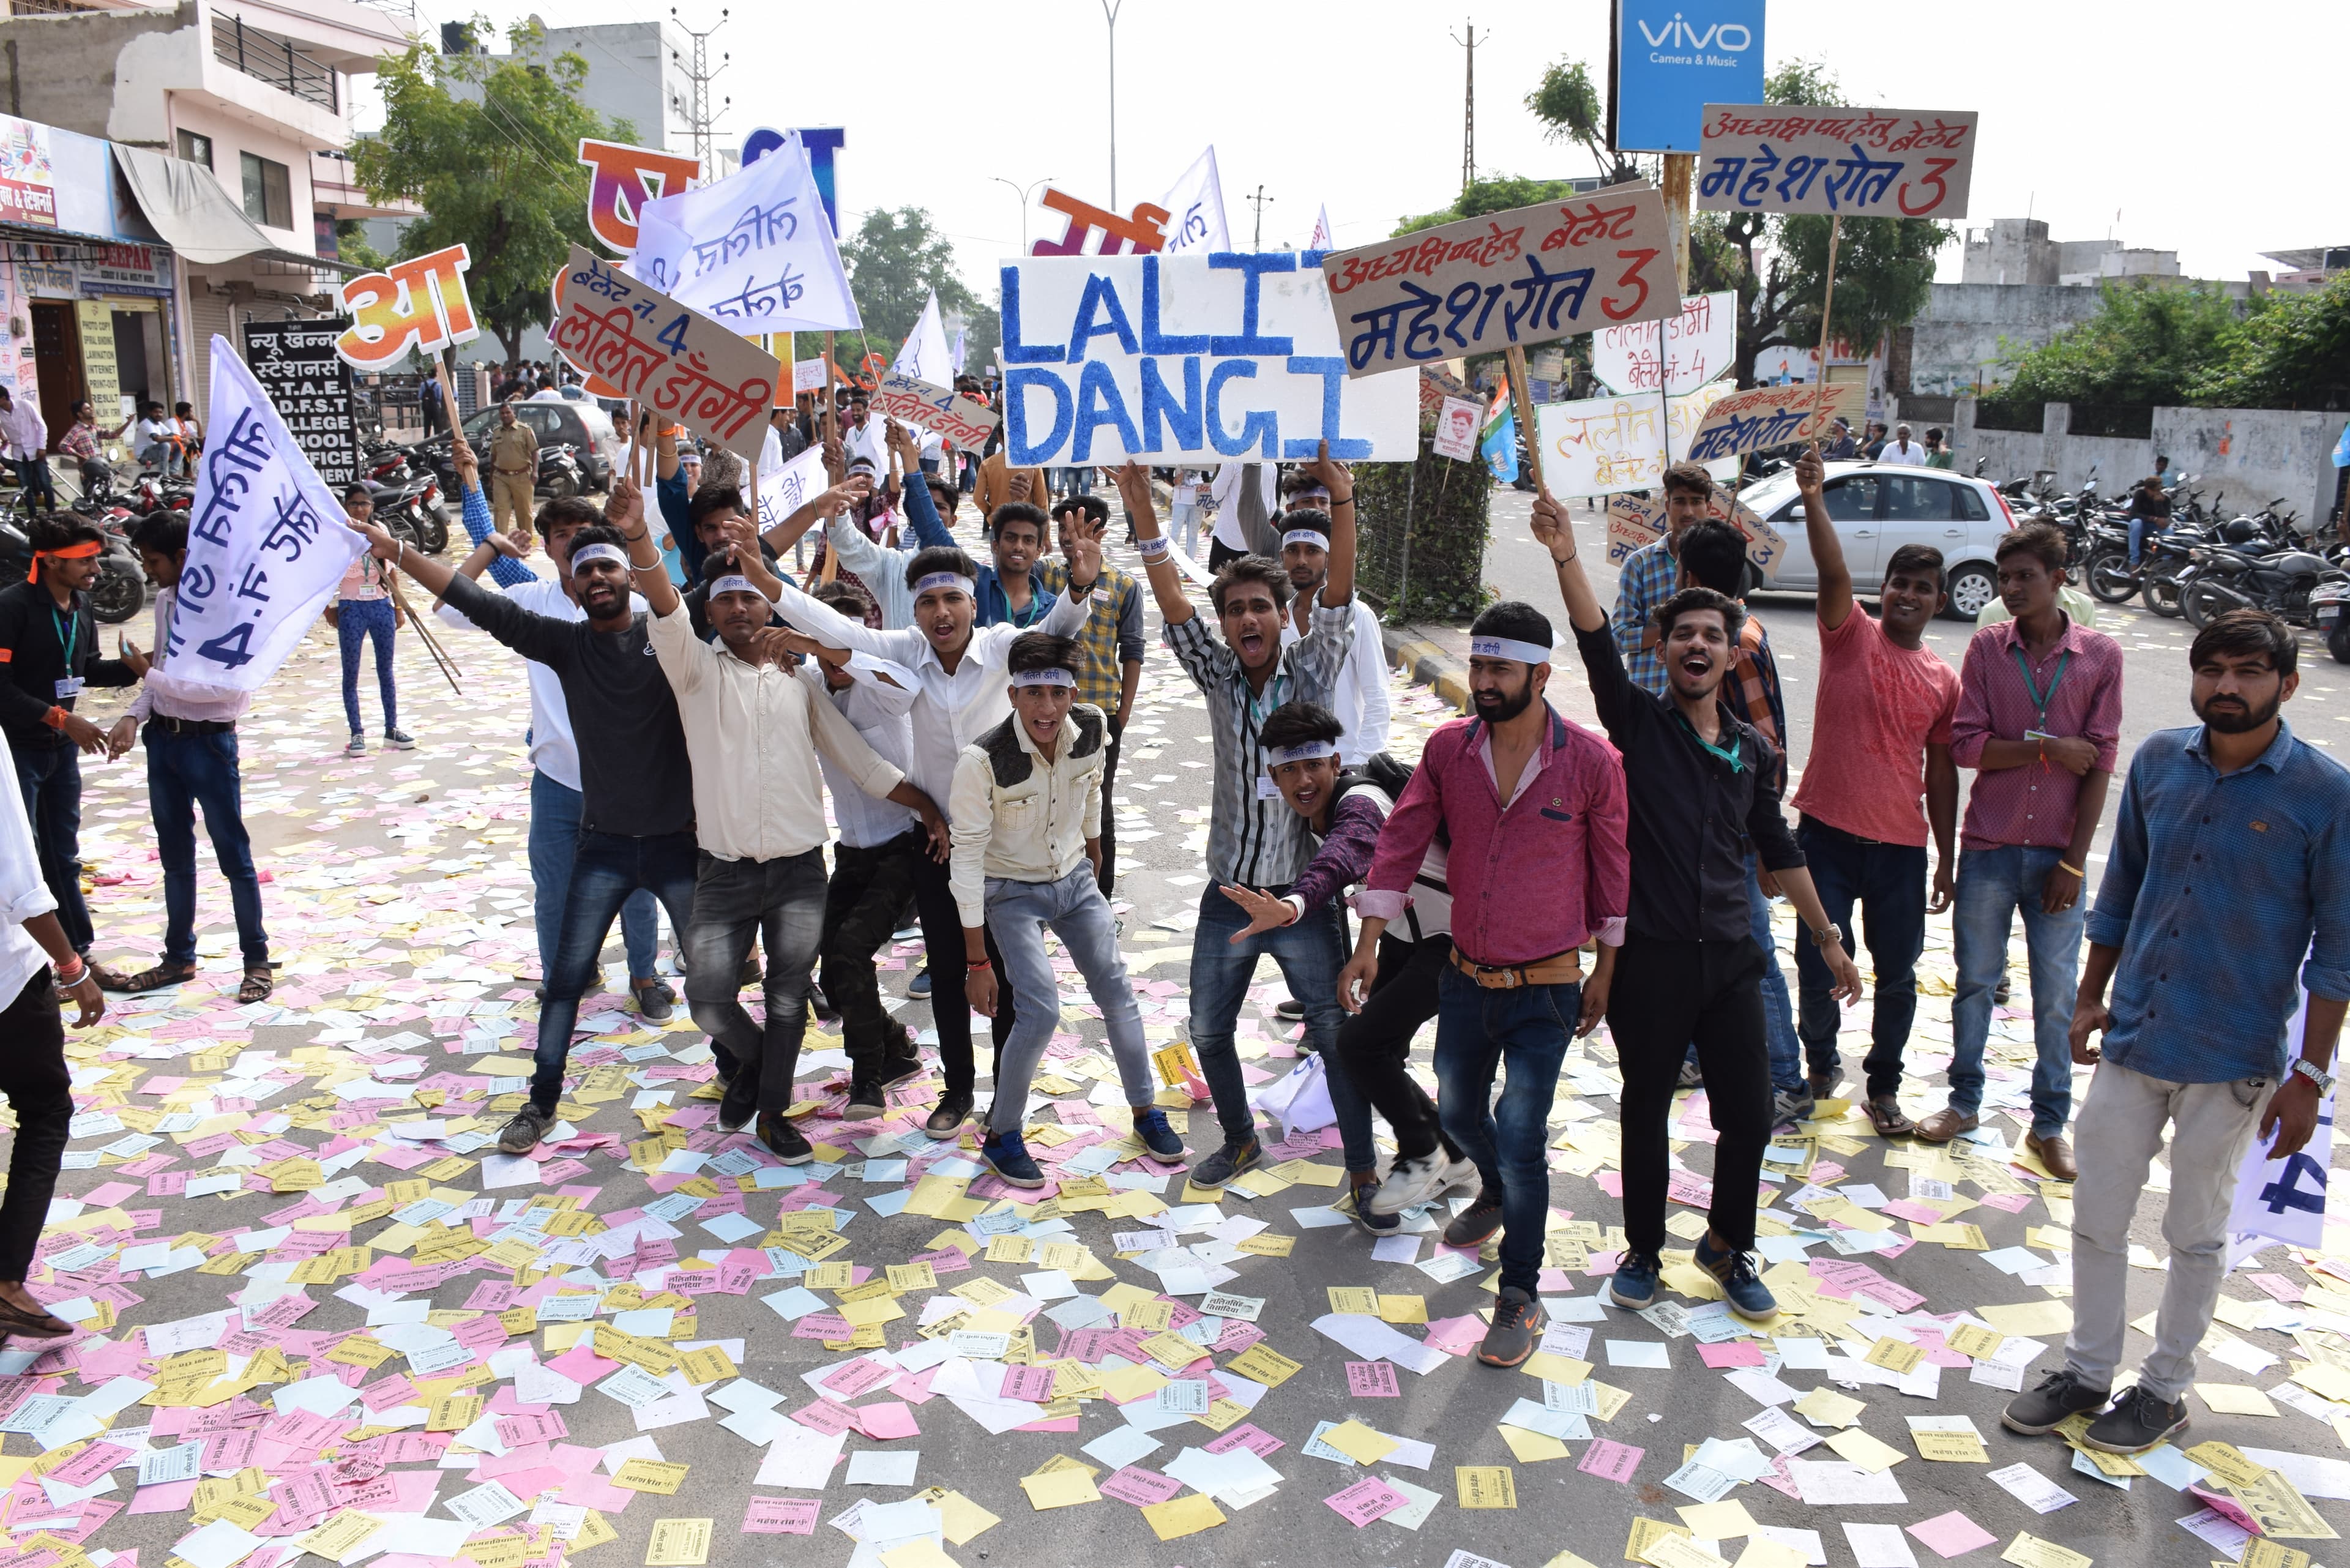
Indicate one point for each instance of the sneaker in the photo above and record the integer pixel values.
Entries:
(655, 1000)
(899, 1064)
(2139, 1421)
(1362, 1186)
(1422, 1179)
(1517, 1325)
(358, 747)
(1692, 1076)
(782, 1139)
(1790, 1108)
(866, 1099)
(946, 1121)
(1634, 1283)
(740, 1105)
(1007, 1154)
(1226, 1163)
(1733, 1271)
(907, 935)
(2060, 1396)
(1152, 1126)
(521, 1134)
(400, 739)
(919, 988)
(1289, 1008)
(1474, 1224)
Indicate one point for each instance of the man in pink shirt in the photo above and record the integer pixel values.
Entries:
(2039, 715)
(1881, 738)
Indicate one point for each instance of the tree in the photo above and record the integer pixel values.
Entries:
(894, 261)
(2148, 344)
(2290, 351)
(488, 149)
(1567, 103)
(1496, 193)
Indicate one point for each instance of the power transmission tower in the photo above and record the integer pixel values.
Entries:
(1258, 202)
(701, 121)
(1469, 107)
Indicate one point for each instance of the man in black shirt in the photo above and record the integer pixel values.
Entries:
(636, 821)
(1700, 782)
(48, 652)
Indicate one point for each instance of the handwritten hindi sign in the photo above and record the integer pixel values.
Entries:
(1185, 359)
(266, 546)
(785, 487)
(1530, 276)
(918, 404)
(1598, 446)
(625, 178)
(1632, 522)
(1859, 163)
(1140, 231)
(1676, 355)
(310, 386)
(419, 304)
(676, 361)
(1761, 416)
(752, 249)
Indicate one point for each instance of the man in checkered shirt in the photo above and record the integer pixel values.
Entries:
(1652, 573)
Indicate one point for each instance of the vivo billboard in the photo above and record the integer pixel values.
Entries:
(1671, 58)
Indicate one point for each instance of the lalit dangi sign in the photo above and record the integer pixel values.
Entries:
(310, 385)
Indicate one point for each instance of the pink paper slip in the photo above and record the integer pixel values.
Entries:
(1610, 1460)
(1734, 1353)
(1368, 1500)
(1952, 1534)
(780, 1516)
(1372, 1380)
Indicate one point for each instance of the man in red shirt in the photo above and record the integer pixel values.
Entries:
(1881, 737)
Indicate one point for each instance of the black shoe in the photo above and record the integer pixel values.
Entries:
(740, 1104)
(946, 1122)
(2037, 1411)
(866, 1099)
(824, 1010)
(899, 1064)
(1361, 1185)
(655, 1000)
(2139, 1421)
(1474, 1224)
(521, 1134)
(1226, 1163)
(1824, 1083)
(1517, 1325)
(1289, 1009)
(782, 1139)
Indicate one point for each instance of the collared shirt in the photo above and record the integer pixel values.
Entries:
(553, 752)
(877, 708)
(1253, 838)
(757, 795)
(881, 570)
(36, 637)
(1647, 580)
(1360, 700)
(1694, 813)
(995, 486)
(1344, 858)
(513, 449)
(2081, 677)
(1112, 638)
(23, 893)
(1531, 877)
(363, 580)
(22, 431)
(1913, 455)
(1752, 692)
(149, 703)
(995, 602)
(79, 441)
(870, 440)
(2216, 887)
(1885, 704)
(954, 710)
(1021, 815)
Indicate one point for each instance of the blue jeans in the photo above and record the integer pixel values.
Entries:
(1018, 912)
(32, 479)
(1888, 882)
(1310, 954)
(356, 623)
(2137, 526)
(1992, 885)
(1478, 1031)
(50, 777)
(1778, 1012)
(781, 903)
(554, 835)
(184, 772)
(606, 867)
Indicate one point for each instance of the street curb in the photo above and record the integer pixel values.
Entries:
(1427, 664)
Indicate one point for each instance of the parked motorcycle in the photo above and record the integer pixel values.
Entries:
(2329, 608)
(2282, 580)
(119, 592)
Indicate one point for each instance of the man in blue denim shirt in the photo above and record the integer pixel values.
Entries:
(2230, 861)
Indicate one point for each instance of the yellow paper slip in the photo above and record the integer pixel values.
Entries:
(922, 1552)
(1182, 1516)
(650, 1475)
(1532, 1447)
(2028, 1319)
(1869, 1453)
(2234, 1400)
(1718, 1520)
(1479, 1486)
(1058, 1489)
(1761, 1551)
(2028, 1550)
(680, 1542)
(1359, 1443)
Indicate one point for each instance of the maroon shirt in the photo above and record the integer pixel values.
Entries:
(2033, 804)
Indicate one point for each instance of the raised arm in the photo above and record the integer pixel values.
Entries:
(473, 509)
(824, 505)
(1827, 550)
(1612, 691)
(1339, 587)
(625, 509)
(1166, 582)
(533, 636)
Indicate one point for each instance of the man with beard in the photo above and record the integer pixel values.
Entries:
(1699, 779)
(2230, 861)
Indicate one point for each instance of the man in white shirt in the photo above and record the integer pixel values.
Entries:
(1902, 450)
(753, 730)
(24, 442)
(1361, 699)
(862, 435)
(1232, 495)
(1027, 804)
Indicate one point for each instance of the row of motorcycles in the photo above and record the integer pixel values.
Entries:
(119, 592)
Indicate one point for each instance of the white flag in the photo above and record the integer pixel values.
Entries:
(1195, 210)
(2284, 1200)
(266, 546)
(752, 250)
(924, 355)
(1321, 240)
(785, 487)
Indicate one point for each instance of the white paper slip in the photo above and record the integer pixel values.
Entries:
(1833, 1484)
(1879, 1546)
(1374, 1340)
(2033, 1489)
(1638, 1352)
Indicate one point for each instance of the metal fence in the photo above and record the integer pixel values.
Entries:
(267, 57)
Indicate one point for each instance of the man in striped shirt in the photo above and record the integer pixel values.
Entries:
(1651, 574)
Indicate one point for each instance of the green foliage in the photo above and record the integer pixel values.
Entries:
(1804, 82)
(1567, 103)
(2147, 344)
(2292, 351)
(1496, 194)
(1436, 511)
(494, 166)
(351, 245)
(894, 261)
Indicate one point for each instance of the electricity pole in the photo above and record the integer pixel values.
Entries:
(1110, 12)
(1469, 107)
(701, 120)
(1258, 202)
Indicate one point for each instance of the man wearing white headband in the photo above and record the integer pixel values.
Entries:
(1028, 808)
(960, 667)
(1360, 700)
(880, 570)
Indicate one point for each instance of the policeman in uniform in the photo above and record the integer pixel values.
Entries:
(513, 473)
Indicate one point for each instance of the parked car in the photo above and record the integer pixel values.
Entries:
(1879, 509)
(585, 427)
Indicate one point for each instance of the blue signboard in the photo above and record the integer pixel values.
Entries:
(822, 143)
(1672, 58)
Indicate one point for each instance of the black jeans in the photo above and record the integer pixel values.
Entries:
(606, 867)
(33, 1077)
(1888, 882)
(950, 1004)
(868, 892)
(1667, 997)
(781, 903)
(1109, 878)
(1218, 553)
(1375, 1044)
(50, 777)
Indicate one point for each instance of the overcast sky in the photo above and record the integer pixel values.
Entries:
(2098, 116)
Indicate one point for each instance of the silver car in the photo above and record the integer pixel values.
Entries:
(1878, 508)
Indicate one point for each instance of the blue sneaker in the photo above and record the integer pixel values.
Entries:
(1150, 1125)
(1634, 1284)
(920, 987)
(1007, 1154)
(1749, 1297)
(1360, 1185)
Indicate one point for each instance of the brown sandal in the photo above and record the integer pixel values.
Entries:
(15, 1319)
(162, 975)
(258, 983)
(1885, 1116)
(108, 978)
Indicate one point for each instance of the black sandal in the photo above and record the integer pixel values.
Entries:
(256, 986)
(15, 1319)
(156, 978)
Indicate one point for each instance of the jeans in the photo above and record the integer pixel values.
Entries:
(185, 770)
(554, 838)
(1478, 1031)
(2122, 1124)
(1667, 993)
(780, 902)
(359, 622)
(868, 892)
(1992, 885)
(606, 867)
(2137, 531)
(32, 479)
(1778, 1013)
(1109, 879)
(1888, 882)
(1376, 1044)
(33, 1077)
(1310, 954)
(941, 922)
(50, 777)
(1018, 912)
(1183, 526)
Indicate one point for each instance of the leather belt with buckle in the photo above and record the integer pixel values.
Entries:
(1559, 968)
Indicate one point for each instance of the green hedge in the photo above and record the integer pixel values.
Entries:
(1423, 534)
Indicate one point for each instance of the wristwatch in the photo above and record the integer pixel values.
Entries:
(1823, 935)
(2317, 1075)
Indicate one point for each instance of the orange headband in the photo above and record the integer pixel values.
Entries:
(82, 551)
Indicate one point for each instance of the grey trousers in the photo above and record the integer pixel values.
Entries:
(1017, 914)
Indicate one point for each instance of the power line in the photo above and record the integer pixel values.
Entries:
(700, 76)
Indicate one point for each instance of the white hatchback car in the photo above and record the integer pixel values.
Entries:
(1877, 509)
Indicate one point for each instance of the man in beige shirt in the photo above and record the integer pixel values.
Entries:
(514, 474)
(995, 484)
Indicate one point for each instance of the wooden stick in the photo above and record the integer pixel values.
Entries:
(1827, 305)
(447, 666)
(1523, 403)
(824, 413)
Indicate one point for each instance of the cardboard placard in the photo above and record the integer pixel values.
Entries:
(1634, 522)
(952, 416)
(1675, 356)
(1456, 429)
(1858, 162)
(1762, 416)
(419, 304)
(641, 344)
(1598, 446)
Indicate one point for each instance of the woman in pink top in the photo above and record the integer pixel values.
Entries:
(363, 612)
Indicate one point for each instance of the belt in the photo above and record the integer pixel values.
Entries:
(192, 726)
(510, 470)
(1559, 968)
